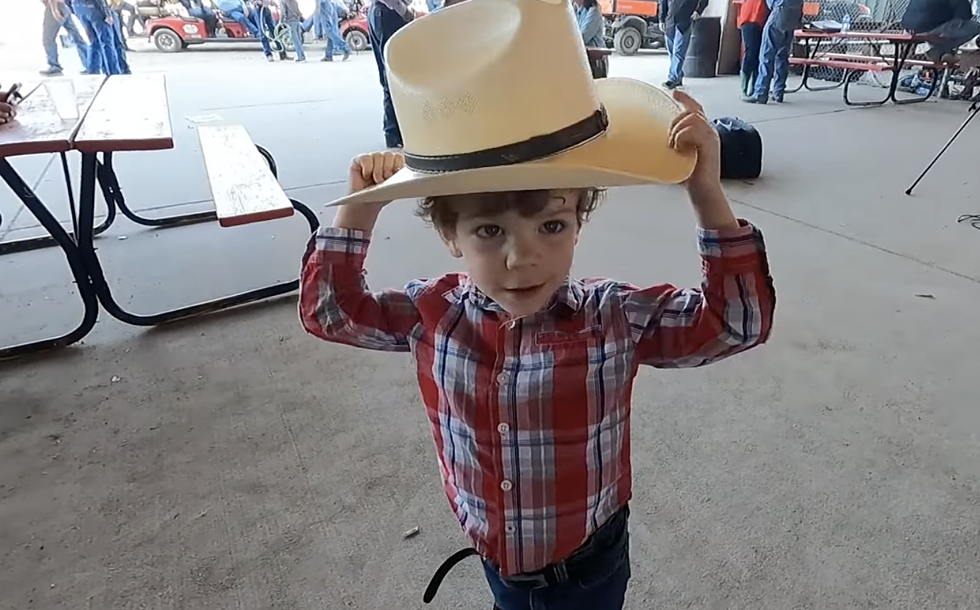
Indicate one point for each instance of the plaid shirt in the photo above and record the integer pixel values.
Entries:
(530, 416)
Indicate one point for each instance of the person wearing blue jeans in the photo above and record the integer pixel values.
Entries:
(293, 18)
(676, 18)
(331, 30)
(385, 17)
(593, 578)
(56, 16)
(197, 10)
(97, 19)
(237, 11)
(777, 41)
(120, 42)
(262, 18)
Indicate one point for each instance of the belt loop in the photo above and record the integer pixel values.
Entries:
(562, 571)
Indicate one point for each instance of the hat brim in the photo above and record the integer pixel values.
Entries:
(633, 151)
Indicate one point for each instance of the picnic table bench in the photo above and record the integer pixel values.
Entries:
(890, 51)
(129, 114)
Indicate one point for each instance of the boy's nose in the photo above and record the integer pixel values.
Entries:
(522, 252)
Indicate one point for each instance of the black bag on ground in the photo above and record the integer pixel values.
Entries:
(741, 149)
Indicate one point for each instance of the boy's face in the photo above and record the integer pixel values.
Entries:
(518, 261)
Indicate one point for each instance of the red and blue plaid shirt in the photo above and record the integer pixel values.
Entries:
(530, 416)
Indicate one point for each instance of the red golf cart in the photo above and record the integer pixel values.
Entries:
(174, 32)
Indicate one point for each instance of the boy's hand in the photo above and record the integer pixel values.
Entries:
(691, 131)
(367, 171)
(374, 168)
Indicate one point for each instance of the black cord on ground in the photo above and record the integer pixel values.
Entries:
(973, 219)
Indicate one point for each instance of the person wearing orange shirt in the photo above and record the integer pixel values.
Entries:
(752, 16)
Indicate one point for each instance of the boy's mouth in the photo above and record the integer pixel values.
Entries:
(524, 290)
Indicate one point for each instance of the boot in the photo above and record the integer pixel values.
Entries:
(745, 78)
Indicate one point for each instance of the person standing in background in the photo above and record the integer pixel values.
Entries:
(330, 27)
(293, 18)
(385, 17)
(777, 41)
(119, 38)
(96, 18)
(56, 16)
(751, 19)
(591, 25)
(676, 19)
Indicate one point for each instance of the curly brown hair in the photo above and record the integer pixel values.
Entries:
(443, 212)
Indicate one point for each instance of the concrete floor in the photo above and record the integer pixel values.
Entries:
(233, 462)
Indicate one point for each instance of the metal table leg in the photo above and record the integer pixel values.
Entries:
(75, 262)
(45, 241)
(108, 175)
(101, 286)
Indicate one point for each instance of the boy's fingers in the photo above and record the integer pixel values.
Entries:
(689, 103)
(680, 117)
(685, 138)
(685, 121)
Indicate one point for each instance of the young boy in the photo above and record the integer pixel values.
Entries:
(526, 373)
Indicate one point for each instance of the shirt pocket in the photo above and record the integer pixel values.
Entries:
(590, 346)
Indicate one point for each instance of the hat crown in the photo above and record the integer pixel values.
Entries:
(484, 74)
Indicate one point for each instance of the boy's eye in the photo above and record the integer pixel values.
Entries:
(488, 231)
(553, 226)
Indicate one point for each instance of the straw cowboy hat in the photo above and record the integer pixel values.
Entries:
(497, 95)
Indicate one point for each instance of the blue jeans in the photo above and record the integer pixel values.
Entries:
(207, 16)
(296, 34)
(751, 44)
(777, 41)
(313, 23)
(433, 5)
(677, 39)
(102, 56)
(49, 39)
(263, 21)
(596, 582)
(382, 24)
(239, 17)
(331, 30)
(120, 43)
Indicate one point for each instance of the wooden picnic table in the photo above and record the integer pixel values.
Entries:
(124, 114)
(890, 53)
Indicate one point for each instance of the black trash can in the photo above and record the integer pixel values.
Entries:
(702, 54)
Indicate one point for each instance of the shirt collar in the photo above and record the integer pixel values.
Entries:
(570, 294)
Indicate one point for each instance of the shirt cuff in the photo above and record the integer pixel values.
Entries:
(336, 245)
(738, 249)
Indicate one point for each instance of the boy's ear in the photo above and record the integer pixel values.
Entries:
(450, 241)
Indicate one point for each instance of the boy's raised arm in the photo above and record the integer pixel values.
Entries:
(731, 312)
(733, 309)
(335, 303)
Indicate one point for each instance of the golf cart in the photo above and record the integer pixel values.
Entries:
(176, 31)
(632, 25)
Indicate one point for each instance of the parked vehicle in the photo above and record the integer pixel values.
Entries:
(175, 32)
(632, 25)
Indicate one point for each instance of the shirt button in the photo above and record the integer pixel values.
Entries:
(510, 529)
(502, 378)
(506, 485)
(503, 428)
